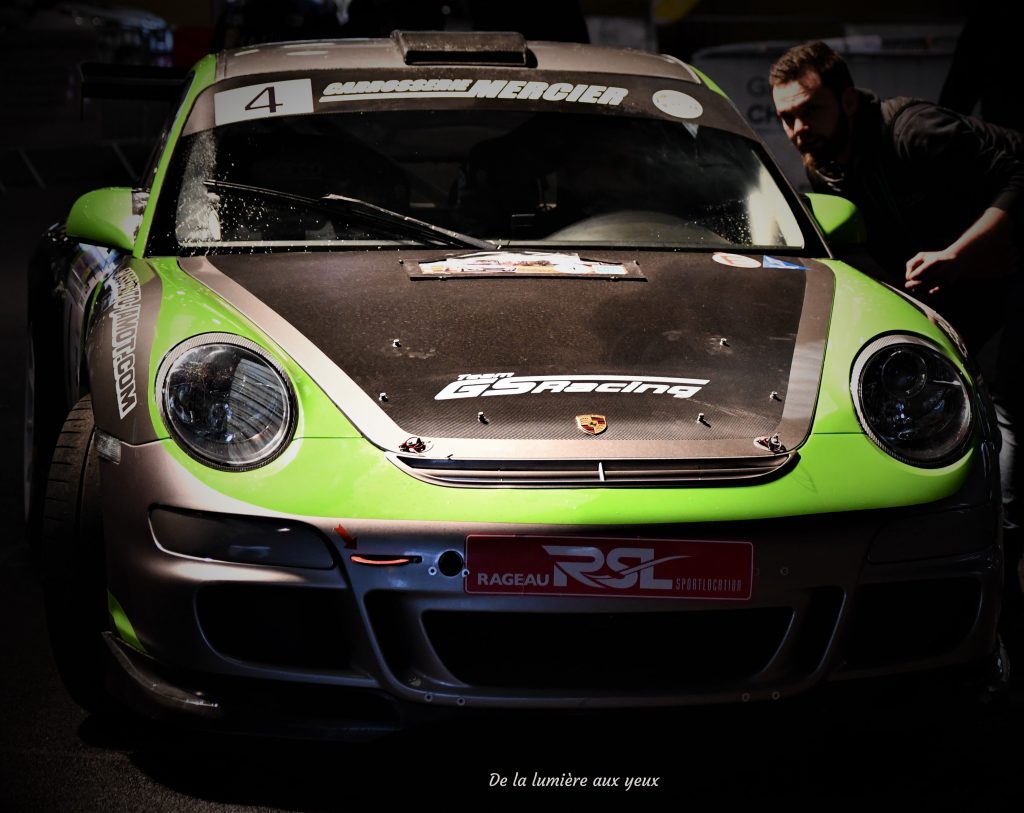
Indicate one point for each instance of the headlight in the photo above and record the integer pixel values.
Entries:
(226, 401)
(912, 400)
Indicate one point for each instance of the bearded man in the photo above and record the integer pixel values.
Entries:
(942, 195)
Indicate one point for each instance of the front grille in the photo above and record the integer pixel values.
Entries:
(907, 621)
(607, 651)
(818, 623)
(278, 626)
(594, 473)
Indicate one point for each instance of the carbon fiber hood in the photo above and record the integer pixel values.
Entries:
(690, 350)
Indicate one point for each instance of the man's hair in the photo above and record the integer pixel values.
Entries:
(812, 56)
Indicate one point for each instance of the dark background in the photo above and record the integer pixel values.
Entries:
(844, 748)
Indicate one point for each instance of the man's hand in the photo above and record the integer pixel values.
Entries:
(985, 250)
(933, 270)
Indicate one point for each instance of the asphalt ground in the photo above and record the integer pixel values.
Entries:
(921, 745)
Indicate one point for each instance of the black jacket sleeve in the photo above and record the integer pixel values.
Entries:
(967, 155)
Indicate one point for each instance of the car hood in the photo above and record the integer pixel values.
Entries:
(668, 355)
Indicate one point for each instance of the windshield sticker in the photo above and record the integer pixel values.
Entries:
(124, 331)
(526, 262)
(470, 89)
(291, 97)
(772, 262)
(735, 260)
(677, 104)
(486, 384)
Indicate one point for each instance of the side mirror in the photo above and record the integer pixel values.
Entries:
(105, 217)
(839, 219)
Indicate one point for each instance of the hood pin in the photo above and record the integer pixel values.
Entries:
(416, 445)
(770, 442)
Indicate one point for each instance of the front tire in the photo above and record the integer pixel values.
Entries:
(74, 562)
(43, 415)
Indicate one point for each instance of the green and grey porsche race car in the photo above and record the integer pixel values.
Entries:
(453, 371)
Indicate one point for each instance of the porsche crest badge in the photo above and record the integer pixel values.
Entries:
(591, 424)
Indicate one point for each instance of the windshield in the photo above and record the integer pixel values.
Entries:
(507, 177)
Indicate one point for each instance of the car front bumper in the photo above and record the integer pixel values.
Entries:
(835, 596)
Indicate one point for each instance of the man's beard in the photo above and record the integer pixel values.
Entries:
(827, 152)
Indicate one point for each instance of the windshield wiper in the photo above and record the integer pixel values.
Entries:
(386, 219)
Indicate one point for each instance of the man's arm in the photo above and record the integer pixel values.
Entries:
(984, 167)
(985, 250)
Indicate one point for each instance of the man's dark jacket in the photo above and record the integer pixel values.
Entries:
(921, 175)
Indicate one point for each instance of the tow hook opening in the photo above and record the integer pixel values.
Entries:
(451, 563)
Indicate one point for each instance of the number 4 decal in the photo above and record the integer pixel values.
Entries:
(290, 97)
(271, 103)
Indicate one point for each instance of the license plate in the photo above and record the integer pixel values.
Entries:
(501, 564)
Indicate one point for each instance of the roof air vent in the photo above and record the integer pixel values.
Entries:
(461, 47)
